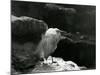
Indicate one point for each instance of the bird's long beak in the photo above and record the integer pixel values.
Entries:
(64, 34)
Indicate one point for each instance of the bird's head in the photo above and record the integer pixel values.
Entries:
(56, 32)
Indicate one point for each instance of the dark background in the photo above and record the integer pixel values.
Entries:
(80, 20)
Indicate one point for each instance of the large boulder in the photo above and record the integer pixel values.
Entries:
(26, 33)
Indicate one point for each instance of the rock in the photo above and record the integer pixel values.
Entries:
(54, 15)
(58, 65)
(26, 33)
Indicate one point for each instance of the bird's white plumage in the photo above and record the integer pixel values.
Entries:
(51, 31)
(48, 43)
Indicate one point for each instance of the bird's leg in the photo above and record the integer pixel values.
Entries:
(52, 59)
(43, 58)
(45, 61)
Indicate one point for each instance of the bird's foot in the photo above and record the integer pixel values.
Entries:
(44, 62)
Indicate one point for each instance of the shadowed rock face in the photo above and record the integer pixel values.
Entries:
(71, 18)
(82, 53)
(54, 15)
(26, 34)
(59, 16)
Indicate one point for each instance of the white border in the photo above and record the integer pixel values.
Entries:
(5, 37)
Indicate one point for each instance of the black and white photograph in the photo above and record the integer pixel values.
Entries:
(52, 37)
